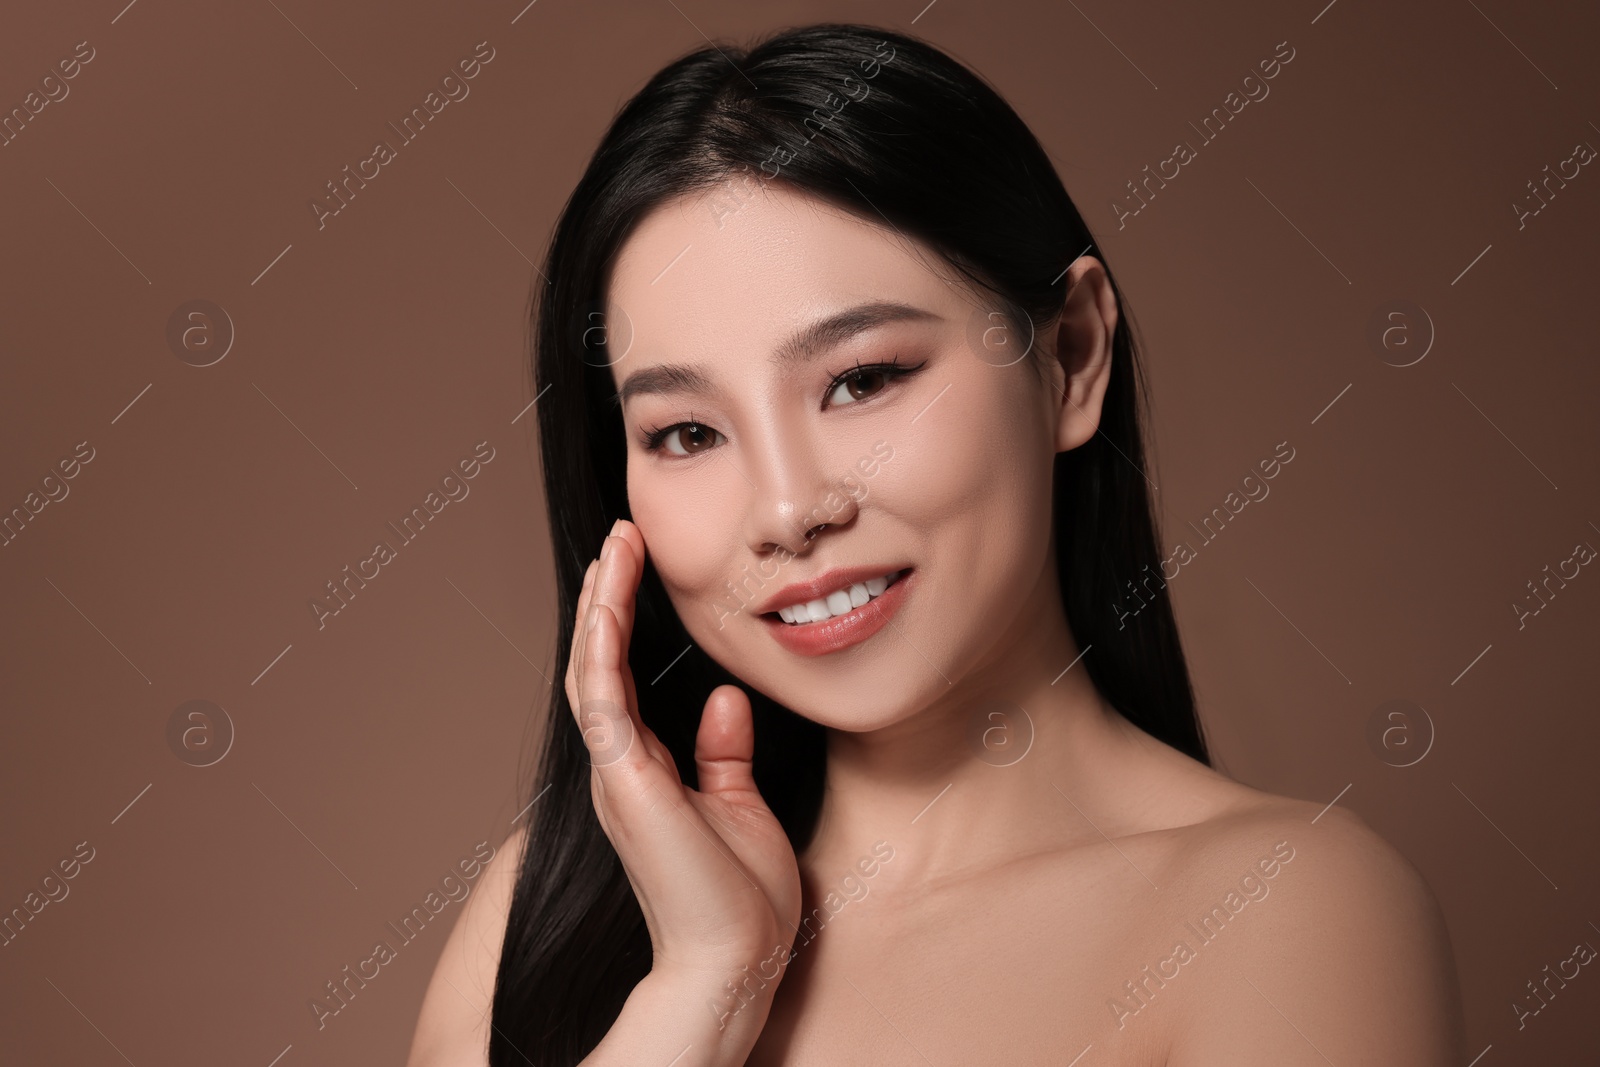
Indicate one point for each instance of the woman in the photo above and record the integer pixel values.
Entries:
(861, 755)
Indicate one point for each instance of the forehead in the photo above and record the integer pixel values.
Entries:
(735, 270)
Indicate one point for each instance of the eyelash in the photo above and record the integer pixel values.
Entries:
(894, 369)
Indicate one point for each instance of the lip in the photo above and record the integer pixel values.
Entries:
(842, 631)
(832, 581)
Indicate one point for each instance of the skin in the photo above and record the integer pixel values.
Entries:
(1023, 890)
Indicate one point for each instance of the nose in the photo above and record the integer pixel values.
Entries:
(797, 489)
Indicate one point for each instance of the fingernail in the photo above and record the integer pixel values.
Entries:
(614, 528)
(594, 617)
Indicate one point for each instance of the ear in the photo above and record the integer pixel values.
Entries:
(1081, 363)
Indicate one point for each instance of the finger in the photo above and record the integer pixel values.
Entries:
(725, 742)
(575, 654)
(616, 583)
(603, 566)
(610, 726)
(635, 538)
(631, 533)
(581, 612)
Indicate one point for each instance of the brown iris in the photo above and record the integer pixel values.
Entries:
(703, 437)
(855, 384)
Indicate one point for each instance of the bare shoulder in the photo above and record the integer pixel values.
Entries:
(453, 1025)
(1323, 942)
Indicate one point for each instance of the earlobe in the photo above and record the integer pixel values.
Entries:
(1083, 347)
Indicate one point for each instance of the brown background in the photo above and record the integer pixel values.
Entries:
(372, 356)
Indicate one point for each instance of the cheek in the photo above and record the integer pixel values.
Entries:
(974, 460)
(690, 531)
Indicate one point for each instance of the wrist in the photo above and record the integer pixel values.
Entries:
(735, 999)
(693, 1017)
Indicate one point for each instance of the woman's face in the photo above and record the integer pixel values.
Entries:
(941, 471)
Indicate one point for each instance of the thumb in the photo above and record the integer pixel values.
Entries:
(725, 742)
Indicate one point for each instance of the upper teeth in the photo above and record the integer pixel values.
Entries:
(838, 602)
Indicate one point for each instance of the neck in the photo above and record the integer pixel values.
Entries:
(1019, 756)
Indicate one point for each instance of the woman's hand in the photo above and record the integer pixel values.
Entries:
(712, 869)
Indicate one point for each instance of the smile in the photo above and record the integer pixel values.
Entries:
(839, 602)
(848, 616)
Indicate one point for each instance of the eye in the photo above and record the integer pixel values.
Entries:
(859, 384)
(684, 439)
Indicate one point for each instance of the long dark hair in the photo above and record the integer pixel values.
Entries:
(891, 128)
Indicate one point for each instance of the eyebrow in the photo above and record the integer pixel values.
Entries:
(805, 345)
